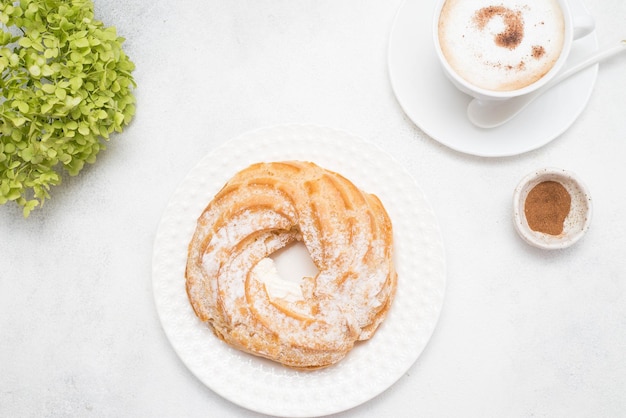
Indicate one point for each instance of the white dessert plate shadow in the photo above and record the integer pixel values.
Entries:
(431, 101)
(372, 366)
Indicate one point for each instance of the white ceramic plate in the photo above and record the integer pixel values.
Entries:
(371, 367)
(439, 109)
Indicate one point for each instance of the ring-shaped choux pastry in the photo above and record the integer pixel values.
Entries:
(269, 206)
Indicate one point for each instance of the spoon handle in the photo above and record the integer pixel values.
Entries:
(491, 114)
(593, 59)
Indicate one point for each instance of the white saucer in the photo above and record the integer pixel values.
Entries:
(439, 109)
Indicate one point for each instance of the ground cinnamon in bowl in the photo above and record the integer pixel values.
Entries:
(551, 208)
(546, 207)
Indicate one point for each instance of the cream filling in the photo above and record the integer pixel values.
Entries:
(277, 287)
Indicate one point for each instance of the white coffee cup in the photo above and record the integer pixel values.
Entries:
(495, 48)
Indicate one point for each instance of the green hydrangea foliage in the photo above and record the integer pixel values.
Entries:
(66, 85)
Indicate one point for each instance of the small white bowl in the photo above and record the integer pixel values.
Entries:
(577, 221)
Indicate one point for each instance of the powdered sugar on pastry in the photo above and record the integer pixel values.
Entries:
(233, 286)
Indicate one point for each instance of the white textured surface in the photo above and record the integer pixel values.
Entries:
(371, 367)
(523, 332)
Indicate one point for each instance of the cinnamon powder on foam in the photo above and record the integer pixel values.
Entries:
(513, 34)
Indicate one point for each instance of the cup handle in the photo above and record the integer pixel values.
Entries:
(583, 26)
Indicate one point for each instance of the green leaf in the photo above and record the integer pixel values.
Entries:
(35, 70)
(60, 93)
(27, 154)
(23, 107)
(84, 130)
(29, 206)
(81, 43)
(17, 121)
(75, 83)
(119, 118)
(48, 88)
(25, 42)
(46, 108)
(14, 194)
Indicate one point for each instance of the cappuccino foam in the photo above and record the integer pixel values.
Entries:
(501, 45)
